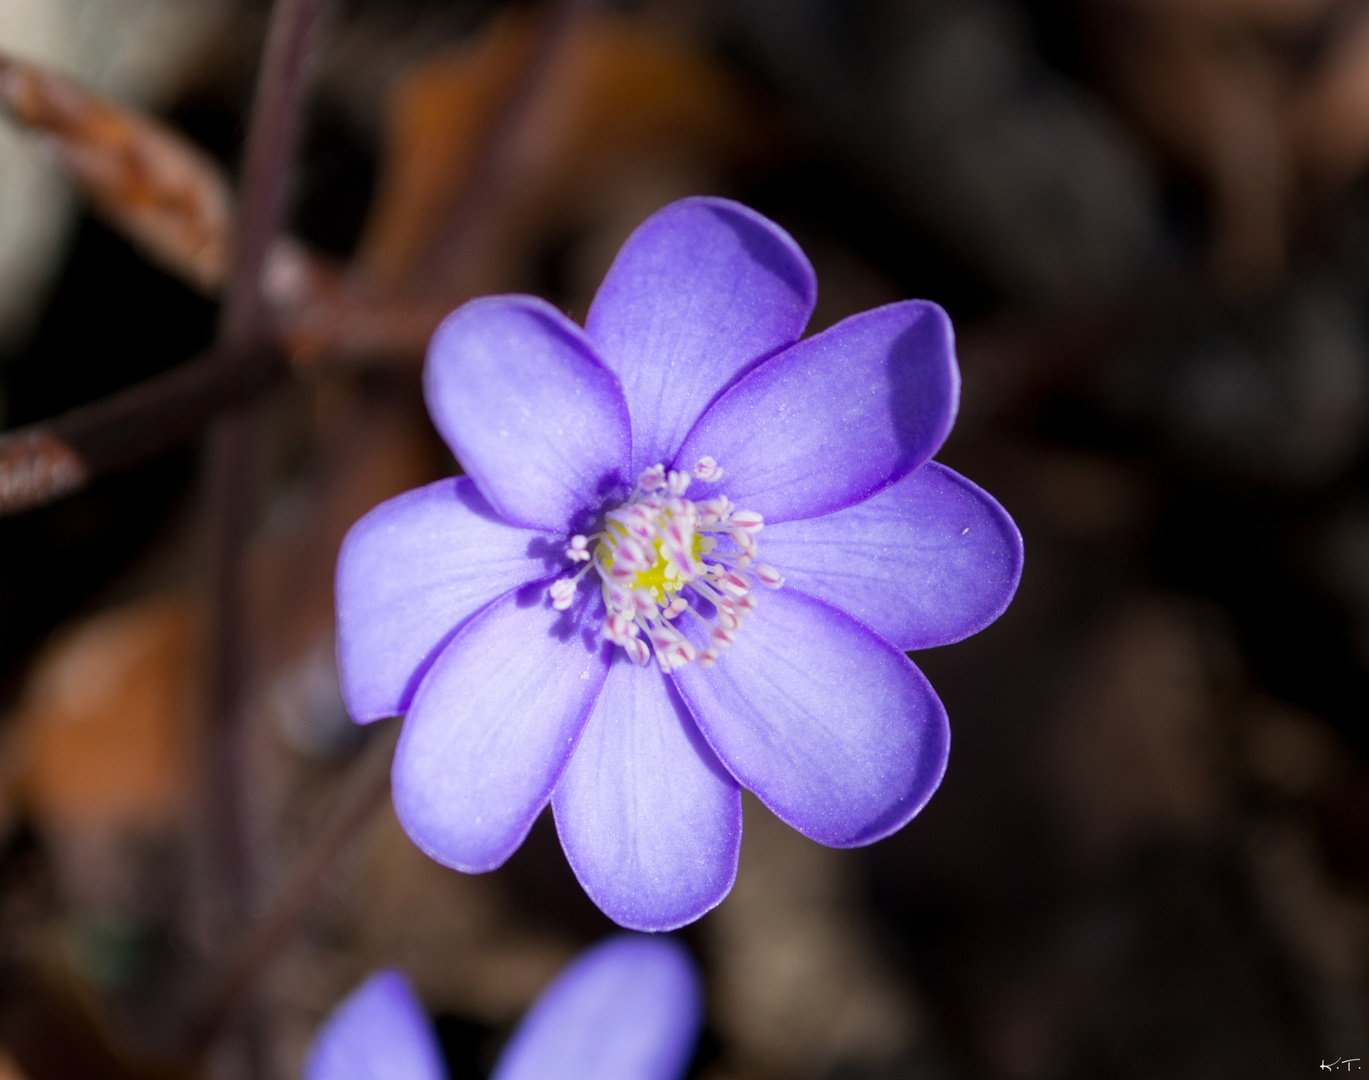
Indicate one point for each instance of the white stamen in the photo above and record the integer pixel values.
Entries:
(657, 555)
(577, 552)
(562, 593)
(748, 520)
(653, 479)
(707, 470)
(636, 651)
(767, 576)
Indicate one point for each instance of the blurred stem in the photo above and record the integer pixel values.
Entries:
(271, 138)
(363, 794)
(272, 135)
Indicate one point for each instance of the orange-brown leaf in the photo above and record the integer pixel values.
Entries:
(147, 181)
(616, 93)
(109, 715)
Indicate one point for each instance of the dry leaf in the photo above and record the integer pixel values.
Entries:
(615, 94)
(108, 717)
(152, 184)
(1330, 116)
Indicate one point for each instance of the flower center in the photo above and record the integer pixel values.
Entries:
(660, 556)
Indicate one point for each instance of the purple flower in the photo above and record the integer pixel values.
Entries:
(630, 1008)
(687, 557)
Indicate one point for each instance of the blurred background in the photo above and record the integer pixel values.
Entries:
(1149, 220)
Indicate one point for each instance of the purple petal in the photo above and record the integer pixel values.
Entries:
(409, 574)
(702, 290)
(628, 1009)
(530, 412)
(831, 726)
(492, 726)
(927, 561)
(836, 417)
(380, 1032)
(649, 819)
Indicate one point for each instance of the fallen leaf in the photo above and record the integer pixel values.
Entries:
(155, 186)
(615, 93)
(108, 717)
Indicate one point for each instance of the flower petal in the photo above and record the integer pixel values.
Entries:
(702, 290)
(832, 727)
(530, 412)
(409, 574)
(836, 417)
(380, 1032)
(628, 1009)
(491, 728)
(650, 821)
(927, 561)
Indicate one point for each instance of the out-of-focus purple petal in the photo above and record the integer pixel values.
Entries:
(409, 574)
(628, 1009)
(492, 726)
(927, 561)
(702, 289)
(650, 821)
(536, 420)
(380, 1032)
(831, 726)
(835, 418)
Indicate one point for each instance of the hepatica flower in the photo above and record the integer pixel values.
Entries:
(629, 1008)
(687, 557)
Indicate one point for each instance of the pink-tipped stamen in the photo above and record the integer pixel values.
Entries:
(658, 553)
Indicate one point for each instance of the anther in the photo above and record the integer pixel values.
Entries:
(767, 576)
(707, 470)
(653, 479)
(562, 593)
(636, 651)
(748, 520)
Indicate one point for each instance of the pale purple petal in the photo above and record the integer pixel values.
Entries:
(492, 726)
(927, 561)
(628, 1009)
(409, 574)
(380, 1032)
(702, 289)
(531, 413)
(650, 821)
(832, 727)
(835, 418)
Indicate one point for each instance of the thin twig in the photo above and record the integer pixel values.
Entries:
(364, 792)
(473, 198)
(277, 111)
(55, 457)
(243, 326)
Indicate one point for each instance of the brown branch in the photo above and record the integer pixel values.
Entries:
(364, 792)
(53, 458)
